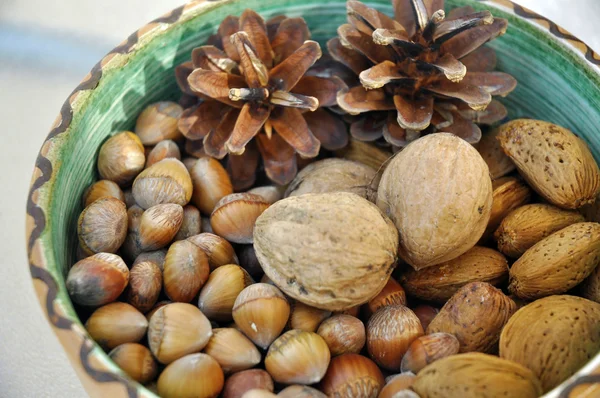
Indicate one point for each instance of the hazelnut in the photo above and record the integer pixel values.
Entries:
(270, 193)
(390, 332)
(159, 225)
(189, 163)
(425, 313)
(352, 311)
(121, 158)
(219, 251)
(392, 294)
(156, 256)
(192, 376)
(427, 349)
(177, 329)
(258, 393)
(156, 308)
(167, 181)
(352, 375)
(220, 291)
(135, 360)
(298, 357)
(234, 216)
(261, 312)
(343, 334)
(97, 280)
(238, 383)
(102, 226)
(102, 189)
(162, 150)
(129, 199)
(185, 271)
(158, 122)
(232, 350)
(398, 386)
(298, 391)
(115, 324)
(306, 318)
(191, 224)
(145, 285)
(211, 184)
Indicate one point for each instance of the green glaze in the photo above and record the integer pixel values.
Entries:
(555, 84)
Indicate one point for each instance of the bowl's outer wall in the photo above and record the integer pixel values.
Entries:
(556, 83)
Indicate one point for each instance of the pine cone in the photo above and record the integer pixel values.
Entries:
(255, 82)
(420, 72)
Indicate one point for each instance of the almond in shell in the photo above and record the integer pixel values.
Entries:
(490, 150)
(557, 263)
(590, 288)
(508, 194)
(555, 162)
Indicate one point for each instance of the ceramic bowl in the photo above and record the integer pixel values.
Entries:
(559, 81)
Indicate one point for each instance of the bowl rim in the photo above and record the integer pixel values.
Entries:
(93, 368)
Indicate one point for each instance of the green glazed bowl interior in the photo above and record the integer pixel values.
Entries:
(555, 83)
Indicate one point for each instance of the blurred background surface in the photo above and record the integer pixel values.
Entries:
(45, 50)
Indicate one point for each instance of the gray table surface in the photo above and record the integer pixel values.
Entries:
(45, 50)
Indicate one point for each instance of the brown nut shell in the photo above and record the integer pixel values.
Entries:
(135, 360)
(261, 312)
(121, 158)
(557, 263)
(97, 280)
(508, 194)
(102, 226)
(167, 181)
(185, 271)
(352, 375)
(452, 377)
(177, 329)
(158, 122)
(366, 153)
(440, 282)
(219, 250)
(529, 224)
(475, 315)
(191, 224)
(392, 294)
(490, 150)
(218, 295)
(162, 150)
(270, 193)
(156, 256)
(553, 160)
(234, 216)
(553, 336)
(211, 184)
(306, 318)
(232, 350)
(115, 324)
(343, 334)
(398, 386)
(316, 246)
(239, 383)
(159, 225)
(145, 285)
(192, 376)
(390, 332)
(425, 313)
(428, 349)
(102, 189)
(298, 357)
(299, 391)
(590, 288)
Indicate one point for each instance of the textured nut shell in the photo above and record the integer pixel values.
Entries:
(557, 164)
(219, 251)
(235, 215)
(553, 336)
(218, 295)
(270, 193)
(343, 334)
(158, 122)
(191, 224)
(162, 150)
(102, 226)
(115, 324)
(102, 189)
(557, 263)
(193, 376)
(365, 153)
(390, 332)
(490, 150)
(177, 329)
(396, 384)
(135, 360)
(440, 282)
(159, 225)
(335, 175)
(352, 375)
(475, 315)
(232, 350)
(428, 349)
(391, 294)
(508, 194)
(238, 383)
(298, 357)
(454, 377)
(316, 247)
(121, 158)
(211, 184)
(185, 271)
(590, 288)
(157, 257)
(306, 318)
(145, 284)
(298, 391)
(455, 181)
(167, 181)
(529, 224)
(426, 314)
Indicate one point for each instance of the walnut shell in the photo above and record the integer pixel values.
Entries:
(475, 315)
(553, 336)
(331, 251)
(438, 192)
(555, 162)
(440, 282)
(476, 375)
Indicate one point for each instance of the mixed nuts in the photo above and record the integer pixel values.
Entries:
(223, 253)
